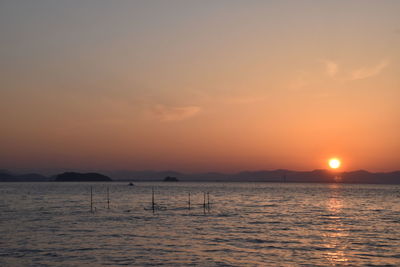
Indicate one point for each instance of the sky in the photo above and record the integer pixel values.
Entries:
(199, 86)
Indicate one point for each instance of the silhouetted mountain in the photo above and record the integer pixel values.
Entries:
(142, 175)
(315, 176)
(81, 177)
(318, 176)
(4, 171)
(6, 176)
(362, 176)
(170, 179)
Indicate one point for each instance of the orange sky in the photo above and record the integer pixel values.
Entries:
(206, 86)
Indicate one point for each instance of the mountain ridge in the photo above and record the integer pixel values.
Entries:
(278, 175)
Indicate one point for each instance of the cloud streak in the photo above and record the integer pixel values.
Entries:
(165, 113)
(367, 72)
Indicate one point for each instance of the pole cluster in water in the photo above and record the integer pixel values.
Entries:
(154, 207)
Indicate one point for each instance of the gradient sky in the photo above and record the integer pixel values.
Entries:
(199, 85)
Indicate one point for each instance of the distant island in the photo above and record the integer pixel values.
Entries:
(82, 177)
(170, 179)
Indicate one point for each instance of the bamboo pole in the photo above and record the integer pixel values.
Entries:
(108, 198)
(152, 199)
(189, 200)
(91, 199)
(208, 200)
(204, 202)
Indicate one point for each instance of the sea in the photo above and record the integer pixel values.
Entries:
(226, 224)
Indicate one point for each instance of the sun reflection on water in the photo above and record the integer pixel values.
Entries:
(335, 232)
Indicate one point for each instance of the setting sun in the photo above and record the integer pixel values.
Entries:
(334, 163)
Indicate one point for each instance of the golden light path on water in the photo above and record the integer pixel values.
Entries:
(336, 232)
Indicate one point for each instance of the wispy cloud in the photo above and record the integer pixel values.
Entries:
(366, 72)
(165, 113)
(331, 67)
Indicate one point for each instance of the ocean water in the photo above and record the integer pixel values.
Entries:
(246, 224)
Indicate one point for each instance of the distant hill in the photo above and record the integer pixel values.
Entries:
(170, 179)
(6, 176)
(281, 175)
(143, 175)
(82, 177)
(362, 176)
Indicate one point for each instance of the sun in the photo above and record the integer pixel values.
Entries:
(334, 163)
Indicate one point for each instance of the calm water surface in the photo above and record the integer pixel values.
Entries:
(248, 224)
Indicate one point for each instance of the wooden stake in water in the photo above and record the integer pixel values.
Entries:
(204, 203)
(152, 199)
(108, 198)
(208, 200)
(189, 200)
(91, 199)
